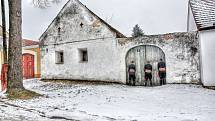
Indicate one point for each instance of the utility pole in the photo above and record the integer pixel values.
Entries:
(4, 31)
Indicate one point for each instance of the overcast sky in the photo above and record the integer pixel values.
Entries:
(153, 16)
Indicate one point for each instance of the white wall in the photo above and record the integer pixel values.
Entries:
(102, 61)
(69, 21)
(207, 39)
(181, 61)
(94, 35)
(106, 58)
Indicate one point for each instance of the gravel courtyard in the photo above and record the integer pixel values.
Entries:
(110, 102)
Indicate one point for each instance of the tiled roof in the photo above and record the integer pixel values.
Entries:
(27, 42)
(204, 13)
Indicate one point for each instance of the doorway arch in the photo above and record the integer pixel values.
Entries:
(140, 55)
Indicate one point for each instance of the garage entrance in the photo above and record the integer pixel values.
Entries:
(28, 65)
(140, 55)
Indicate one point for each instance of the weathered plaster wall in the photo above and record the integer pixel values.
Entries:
(181, 51)
(76, 27)
(101, 65)
(75, 23)
(107, 58)
(79, 29)
(207, 39)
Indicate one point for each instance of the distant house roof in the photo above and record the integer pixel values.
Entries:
(27, 42)
(204, 13)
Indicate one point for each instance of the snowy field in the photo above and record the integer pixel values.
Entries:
(111, 102)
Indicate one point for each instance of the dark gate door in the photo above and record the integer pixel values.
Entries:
(28, 65)
(140, 55)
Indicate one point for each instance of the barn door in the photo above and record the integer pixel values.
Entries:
(140, 55)
(28, 65)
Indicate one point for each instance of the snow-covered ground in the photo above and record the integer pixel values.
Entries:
(111, 102)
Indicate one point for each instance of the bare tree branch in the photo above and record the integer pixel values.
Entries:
(45, 3)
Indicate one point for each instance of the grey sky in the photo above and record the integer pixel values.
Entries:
(154, 16)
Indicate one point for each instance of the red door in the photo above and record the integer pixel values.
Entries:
(28, 65)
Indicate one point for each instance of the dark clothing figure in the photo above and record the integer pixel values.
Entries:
(162, 72)
(148, 73)
(132, 74)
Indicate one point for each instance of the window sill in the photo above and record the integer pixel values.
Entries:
(59, 63)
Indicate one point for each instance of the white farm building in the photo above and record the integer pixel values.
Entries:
(79, 45)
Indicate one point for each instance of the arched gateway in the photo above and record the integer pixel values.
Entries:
(140, 55)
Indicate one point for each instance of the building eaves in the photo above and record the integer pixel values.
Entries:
(204, 13)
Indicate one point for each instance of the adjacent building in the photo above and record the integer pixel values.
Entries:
(31, 57)
(202, 18)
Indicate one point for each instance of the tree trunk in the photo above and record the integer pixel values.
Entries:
(15, 77)
(4, 31)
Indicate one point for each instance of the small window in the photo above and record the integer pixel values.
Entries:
(59, 31)
(81, 25)
(83, 54)
(59, 57)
